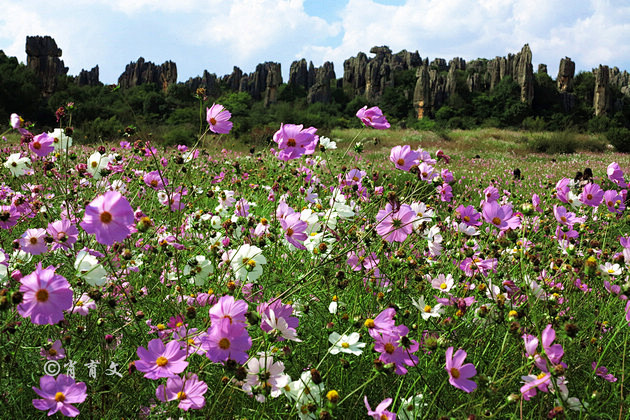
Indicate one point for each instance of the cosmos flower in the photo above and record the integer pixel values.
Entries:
(458, 373)
(58, 394)
(395, 226)
(188, 391)
(346, 343)
(161, 361)
(53, 351)
(64, 234)
(109, 217)
(60, 140)
(380, 412)
(229, 308)
(294, 141)
(17, 165)
(373, 117)
(265, 375)
(218, 119)
(403, 157)
(32, 241)
(46, 296)
(592, 195)
(226, 340)
(247, 263)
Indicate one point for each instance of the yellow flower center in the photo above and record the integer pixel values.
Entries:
(389, 348)
(401, 162)
(52, 352)
(181, 395)
(106, 217)
(369, 323)
(455, 373)
(161, 361)
(427, 308)
(496, 221)
(345, 345)
(443, 286)
(59, 397)
(213, 121)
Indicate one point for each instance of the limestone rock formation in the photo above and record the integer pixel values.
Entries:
(430, 91)
(319, 91)
(207, 81)
(602, 100)
(542, 68)
(370, 76)
(88, 78)
(42, 56)
(298, 74)
(141, 72)
(566, 71)
(523, 74)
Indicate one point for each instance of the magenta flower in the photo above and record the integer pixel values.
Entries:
(565, 217)
(446, 192)
(230, 309)
(188, 391)
(294, 142)
(500, 216)
(491, 194)
(32, 241)
(217, 117)
(84, 305)
(46, 296)
(358, 260)
(458, 373)
(53, 351)
(592, 195)
(160, 361)
(42, 145)
(373, 117)
(563, 189)
(383, 323)
(280, 311)
(109, 217)
(154, 180)
(64, 234)
(628, 312)
(59, 394)
(294, 230)
(227, 341)
(389, 345)
(615, 174)
(614, 201)
(468, 215)
(9, 216)
(602, 372)
(380, 412)
(395, 226)
(403, 157)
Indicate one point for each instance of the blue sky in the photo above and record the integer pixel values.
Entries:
(216, 35)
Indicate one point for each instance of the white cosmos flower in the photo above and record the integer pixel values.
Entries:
(327, 143)
(200, 269)
(97, 162)
(17, 165)
(427, 311)
(280, 327)
(346, 343)
(60, 140)
(411, 408)
(610, 269)
(89, 269)
(247, 263)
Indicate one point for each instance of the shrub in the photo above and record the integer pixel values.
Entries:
(619, 137)
(554, 143)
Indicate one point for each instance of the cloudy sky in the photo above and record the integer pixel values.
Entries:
(219, 34)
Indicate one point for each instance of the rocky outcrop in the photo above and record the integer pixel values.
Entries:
(523, 74)
(320, 90)
(141, 72)
(263, 83)
(370, 76)
(602, 99)
(88, 78)
(620, 80)
(430, 91)
(42, 56)
(566, 71)
(542, 68)
(299, 74)
(207, 81)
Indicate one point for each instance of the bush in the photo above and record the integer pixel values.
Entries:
(554, 143)
(423, 124)
(619, 137)
(182, 134)
(534, 124)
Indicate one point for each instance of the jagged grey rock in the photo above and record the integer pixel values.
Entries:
(42, 56)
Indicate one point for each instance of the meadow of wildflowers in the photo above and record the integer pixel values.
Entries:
(309, 280)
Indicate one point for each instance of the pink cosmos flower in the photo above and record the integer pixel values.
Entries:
(154, 180)
(592, 195)
(389, 345)
(9, 216)
(615, 174)
(17, 123)
(54, 351)
(84, 305)
(500, 216)
(602, 372)
(230, 309)
(265, 375)
(380, 412)
(46, 296)
(468, 215)
(64, 234)
(395, 226)
(42, 145)
(280, 311)
(446, 192)
(491, 194)
(294, 230)
(614, 201)
(293, 141)
(227, 341)
(188, 391)
(109, 217)
(58, 394)
(536, 203)
(628, 312)
(373, 117)
(458, 373)
(426, 172)
(217, 117)
(403, 157)
(358, 260)
(384, 322)
(32, 241)
(160, 361)
(565, 217)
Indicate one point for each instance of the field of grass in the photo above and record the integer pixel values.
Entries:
(365, 280)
